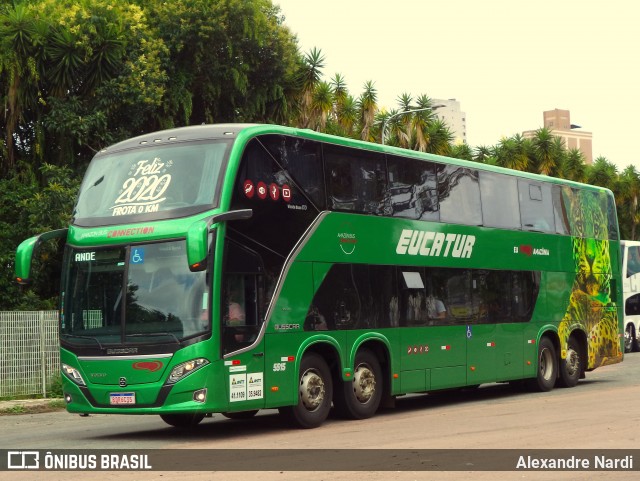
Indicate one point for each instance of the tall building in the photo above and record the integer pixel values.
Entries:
(449, 112)
(559, 123)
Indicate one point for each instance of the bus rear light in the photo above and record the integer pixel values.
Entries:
(200, 395)
(73, 374)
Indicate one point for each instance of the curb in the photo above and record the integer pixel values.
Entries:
(31, 406)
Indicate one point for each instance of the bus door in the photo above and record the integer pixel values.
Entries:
(433, 349)
(242, 316)
(480, 327)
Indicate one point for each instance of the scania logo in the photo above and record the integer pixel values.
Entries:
(152, 366)
(123, 382)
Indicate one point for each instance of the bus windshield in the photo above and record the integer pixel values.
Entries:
(153, 183)
(141, 294)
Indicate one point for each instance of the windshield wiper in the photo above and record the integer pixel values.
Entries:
(144, 334)
(83, 337)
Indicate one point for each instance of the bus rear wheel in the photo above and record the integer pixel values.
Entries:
(547, 367)
(571, 365)
(315, 391)
(183, 421)
(631, 340)
(360, 397)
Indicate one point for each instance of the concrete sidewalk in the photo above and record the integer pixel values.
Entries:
(31, 406)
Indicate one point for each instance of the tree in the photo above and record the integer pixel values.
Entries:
(548, 150)
(20, 39)
(629, 189)
(367, 107)
(81, 75)
(514, 153)
(573, 166)
(309, 78)
(602, 173)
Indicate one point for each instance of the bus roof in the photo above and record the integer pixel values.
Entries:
(210, 131)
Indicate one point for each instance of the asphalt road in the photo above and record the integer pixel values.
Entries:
(601, 413)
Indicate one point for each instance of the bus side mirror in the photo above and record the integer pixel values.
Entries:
(25, 251)
(197, 245)
(198, 232)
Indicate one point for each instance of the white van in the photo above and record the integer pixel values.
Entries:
(631, 293)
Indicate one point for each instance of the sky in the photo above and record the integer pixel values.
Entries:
(505, 61)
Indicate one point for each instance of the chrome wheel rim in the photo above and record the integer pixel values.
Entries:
(312, 390)
(364, 383)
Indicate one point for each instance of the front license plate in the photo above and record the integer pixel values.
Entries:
(120, 398)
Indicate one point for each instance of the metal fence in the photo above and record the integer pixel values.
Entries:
(29, 352)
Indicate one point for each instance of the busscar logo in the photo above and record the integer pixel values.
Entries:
(23, 460)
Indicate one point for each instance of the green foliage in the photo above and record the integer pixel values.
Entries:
(26, 209)
(78, 75)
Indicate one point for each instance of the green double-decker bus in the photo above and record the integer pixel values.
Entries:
(233, 268)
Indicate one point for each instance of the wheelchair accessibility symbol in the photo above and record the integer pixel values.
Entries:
(469, 333)
(137, 256)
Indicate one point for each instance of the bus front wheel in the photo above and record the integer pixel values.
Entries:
(360, 397)
(315, 391)
(547, 367)
(571, 365)
(183, 421)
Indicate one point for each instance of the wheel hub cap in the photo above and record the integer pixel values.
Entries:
(311, 390)
(364, 383)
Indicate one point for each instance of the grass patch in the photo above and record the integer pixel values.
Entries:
(43, 406)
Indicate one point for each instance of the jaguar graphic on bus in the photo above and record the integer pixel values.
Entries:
(233, 268)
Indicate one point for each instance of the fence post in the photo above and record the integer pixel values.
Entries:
(43, 368)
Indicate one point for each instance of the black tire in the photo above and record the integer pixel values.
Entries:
(572, 365)
(629, 339)
(635, 340)
(315, 391)
(183, 421)
(547, 367)
(360, 397)
(241, 414)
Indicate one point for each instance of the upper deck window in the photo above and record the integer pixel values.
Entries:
(152, 183)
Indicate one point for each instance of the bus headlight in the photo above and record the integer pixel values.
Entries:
(184, 369)
(73, 374)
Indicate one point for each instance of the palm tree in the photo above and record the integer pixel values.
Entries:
(321, 105)
(440, 138)
(629, 195)
(19, 42)
(462, 151)
(602, 173)
(346, 117)
(482, 153)
(340, 95)
(311, 76)
(514, 153)
(573, 166)
(421, 123)
(546, 150)
(368, 108)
